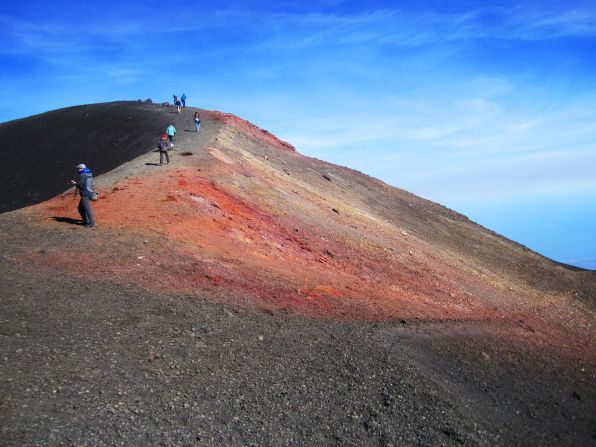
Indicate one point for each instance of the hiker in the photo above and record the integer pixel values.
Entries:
(171, 131)
(84, 186)
(177, 103)
(162, 147)
(183, 99)
(197, 120)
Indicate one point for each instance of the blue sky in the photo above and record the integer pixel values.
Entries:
(486, 107)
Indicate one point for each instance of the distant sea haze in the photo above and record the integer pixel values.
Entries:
(586, 263)
(560, 226)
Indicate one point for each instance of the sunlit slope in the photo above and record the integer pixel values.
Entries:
(240, 215)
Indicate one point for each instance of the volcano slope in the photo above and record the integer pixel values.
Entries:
(248, 295)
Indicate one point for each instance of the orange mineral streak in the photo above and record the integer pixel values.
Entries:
(216, 238)
(251, 130)
(237, 229)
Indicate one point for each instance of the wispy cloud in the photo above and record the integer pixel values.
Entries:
(477, 147)
(552, 25)
(407, 28)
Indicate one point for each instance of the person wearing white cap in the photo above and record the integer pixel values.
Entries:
(84, 185)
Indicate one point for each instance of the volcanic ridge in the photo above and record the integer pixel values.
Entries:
(243, 235)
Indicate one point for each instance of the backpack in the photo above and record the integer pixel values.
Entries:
(89, 187)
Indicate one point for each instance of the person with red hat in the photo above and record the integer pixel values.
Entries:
(162, 147)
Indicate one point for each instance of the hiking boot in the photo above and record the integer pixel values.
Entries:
(91, 227)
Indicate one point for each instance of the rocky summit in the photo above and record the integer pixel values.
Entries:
(245, 294)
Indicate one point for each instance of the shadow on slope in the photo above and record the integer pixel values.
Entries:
(40, 153)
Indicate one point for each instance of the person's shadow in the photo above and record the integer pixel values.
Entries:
(151, 164)
(68, 220)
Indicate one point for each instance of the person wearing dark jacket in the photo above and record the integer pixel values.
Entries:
(162, 147)
(84, 185)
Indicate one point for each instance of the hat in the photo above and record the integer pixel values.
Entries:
(163, 136)
(81, 166)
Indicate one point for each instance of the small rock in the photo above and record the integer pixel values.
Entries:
(326, 177)
(260, 338)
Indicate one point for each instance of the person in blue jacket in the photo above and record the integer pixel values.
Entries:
(171, 131)
(84, 185)
(183, 99)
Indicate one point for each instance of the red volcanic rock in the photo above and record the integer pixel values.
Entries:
(252, 130)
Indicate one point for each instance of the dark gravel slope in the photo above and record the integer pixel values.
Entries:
(90, 363)
(39, 153)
